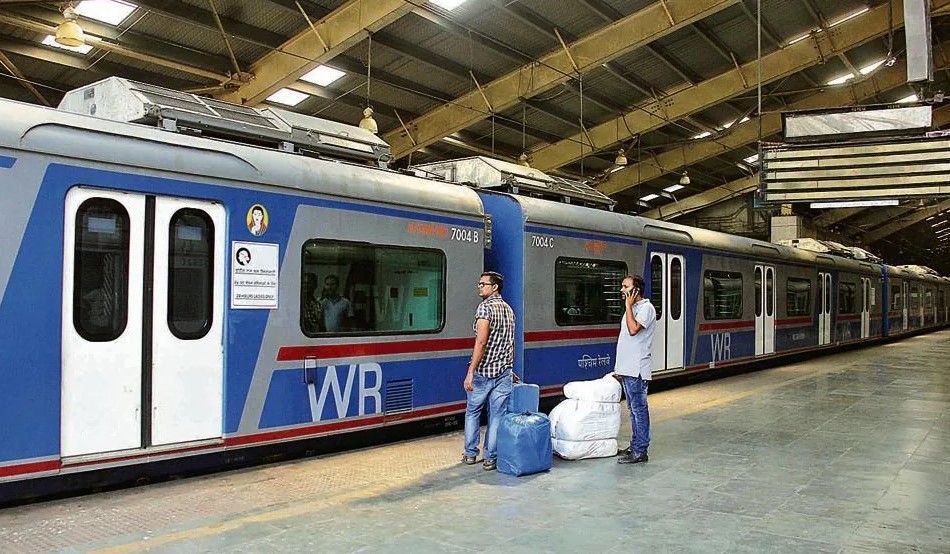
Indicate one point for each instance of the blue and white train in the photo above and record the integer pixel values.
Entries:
(188, 283)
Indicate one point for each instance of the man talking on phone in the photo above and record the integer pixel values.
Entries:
(634, 365)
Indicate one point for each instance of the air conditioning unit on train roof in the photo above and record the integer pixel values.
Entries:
(128, 101)
(922, 269)
(488, 173)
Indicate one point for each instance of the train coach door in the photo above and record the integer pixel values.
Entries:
(905, 300)
(824, 308)
(668, 295)
(865, 307)
(764, 310)
(142, 360)
(187, 357)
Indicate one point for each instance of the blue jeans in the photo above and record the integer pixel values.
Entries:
(495, 392)
(636, 390)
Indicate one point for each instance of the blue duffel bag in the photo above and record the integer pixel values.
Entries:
(524, 444)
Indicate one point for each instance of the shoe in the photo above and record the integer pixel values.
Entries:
(630, 459)
(623, 451)
(468, 460)
(489, 465)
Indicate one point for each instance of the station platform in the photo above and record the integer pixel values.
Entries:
(846, 454)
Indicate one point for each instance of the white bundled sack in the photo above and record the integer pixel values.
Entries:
(583, 420)
(605, 389)
(579, 450)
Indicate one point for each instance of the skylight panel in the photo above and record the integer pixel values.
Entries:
(674, 188)
(908, 99)
(112, 12)
(50, 40)
(322, 75)
(650, 197)
(751, 160)
(287, 97)
(702, 135)
(869, 68)
(842, 79)
(799, 39)
(848, 17)
(448, 4)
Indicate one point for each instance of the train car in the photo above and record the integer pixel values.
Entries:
(166, 295)
(192, 284)
(721, 300)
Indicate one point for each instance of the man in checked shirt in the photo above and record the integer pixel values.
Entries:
(489, 379)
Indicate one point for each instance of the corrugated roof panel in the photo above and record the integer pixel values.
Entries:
(687, 50)
(511, 31)
(566, 15)
(649, 69)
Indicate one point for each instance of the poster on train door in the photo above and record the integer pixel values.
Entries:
(254, 275)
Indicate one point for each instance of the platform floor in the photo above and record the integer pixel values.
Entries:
(845, 454)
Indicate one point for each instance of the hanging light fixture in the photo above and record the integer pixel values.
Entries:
(69, 33)
(684, 180)
(621, 159)
(368, 122)
(523, 160)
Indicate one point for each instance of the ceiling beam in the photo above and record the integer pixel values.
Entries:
(120, 50)
(835, 215)
(127, 38)
(99, 69)
(903, 223)
(874, 219)
(741, 134)
(555, 68)
(704, 199)
(335, 33)
(11, 67)
(784, 62)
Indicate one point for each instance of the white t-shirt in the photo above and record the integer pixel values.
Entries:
(634, 351)
(334, 311)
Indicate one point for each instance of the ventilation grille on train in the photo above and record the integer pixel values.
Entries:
(398, 396)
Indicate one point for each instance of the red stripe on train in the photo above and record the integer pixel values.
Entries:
(330, 351)
(539, 336)
(725, 326)
(795, 321)
(32, 467)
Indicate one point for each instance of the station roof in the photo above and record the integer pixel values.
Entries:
(673, 84)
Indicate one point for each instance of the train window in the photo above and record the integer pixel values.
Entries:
(722, 295)
(914, 298)
(587, 292)
(100, 283)
(656, 285)
(896, 302)
(769, 292)
(357, 288)
(676, 278)
(929, 299)
(190, 274)
(797, 297)
(758, 291)
(846, 296)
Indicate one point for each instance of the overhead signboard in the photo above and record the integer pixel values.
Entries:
(882, 169)
(860, 122)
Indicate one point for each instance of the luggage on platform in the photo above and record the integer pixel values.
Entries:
(585, 425)
(524, 444)
(524, 398)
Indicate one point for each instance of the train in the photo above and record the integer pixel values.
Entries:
(188, 284)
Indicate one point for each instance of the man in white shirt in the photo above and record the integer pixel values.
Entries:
(634, 365)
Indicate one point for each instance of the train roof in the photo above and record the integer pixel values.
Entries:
(32, 128)
(581, 218)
